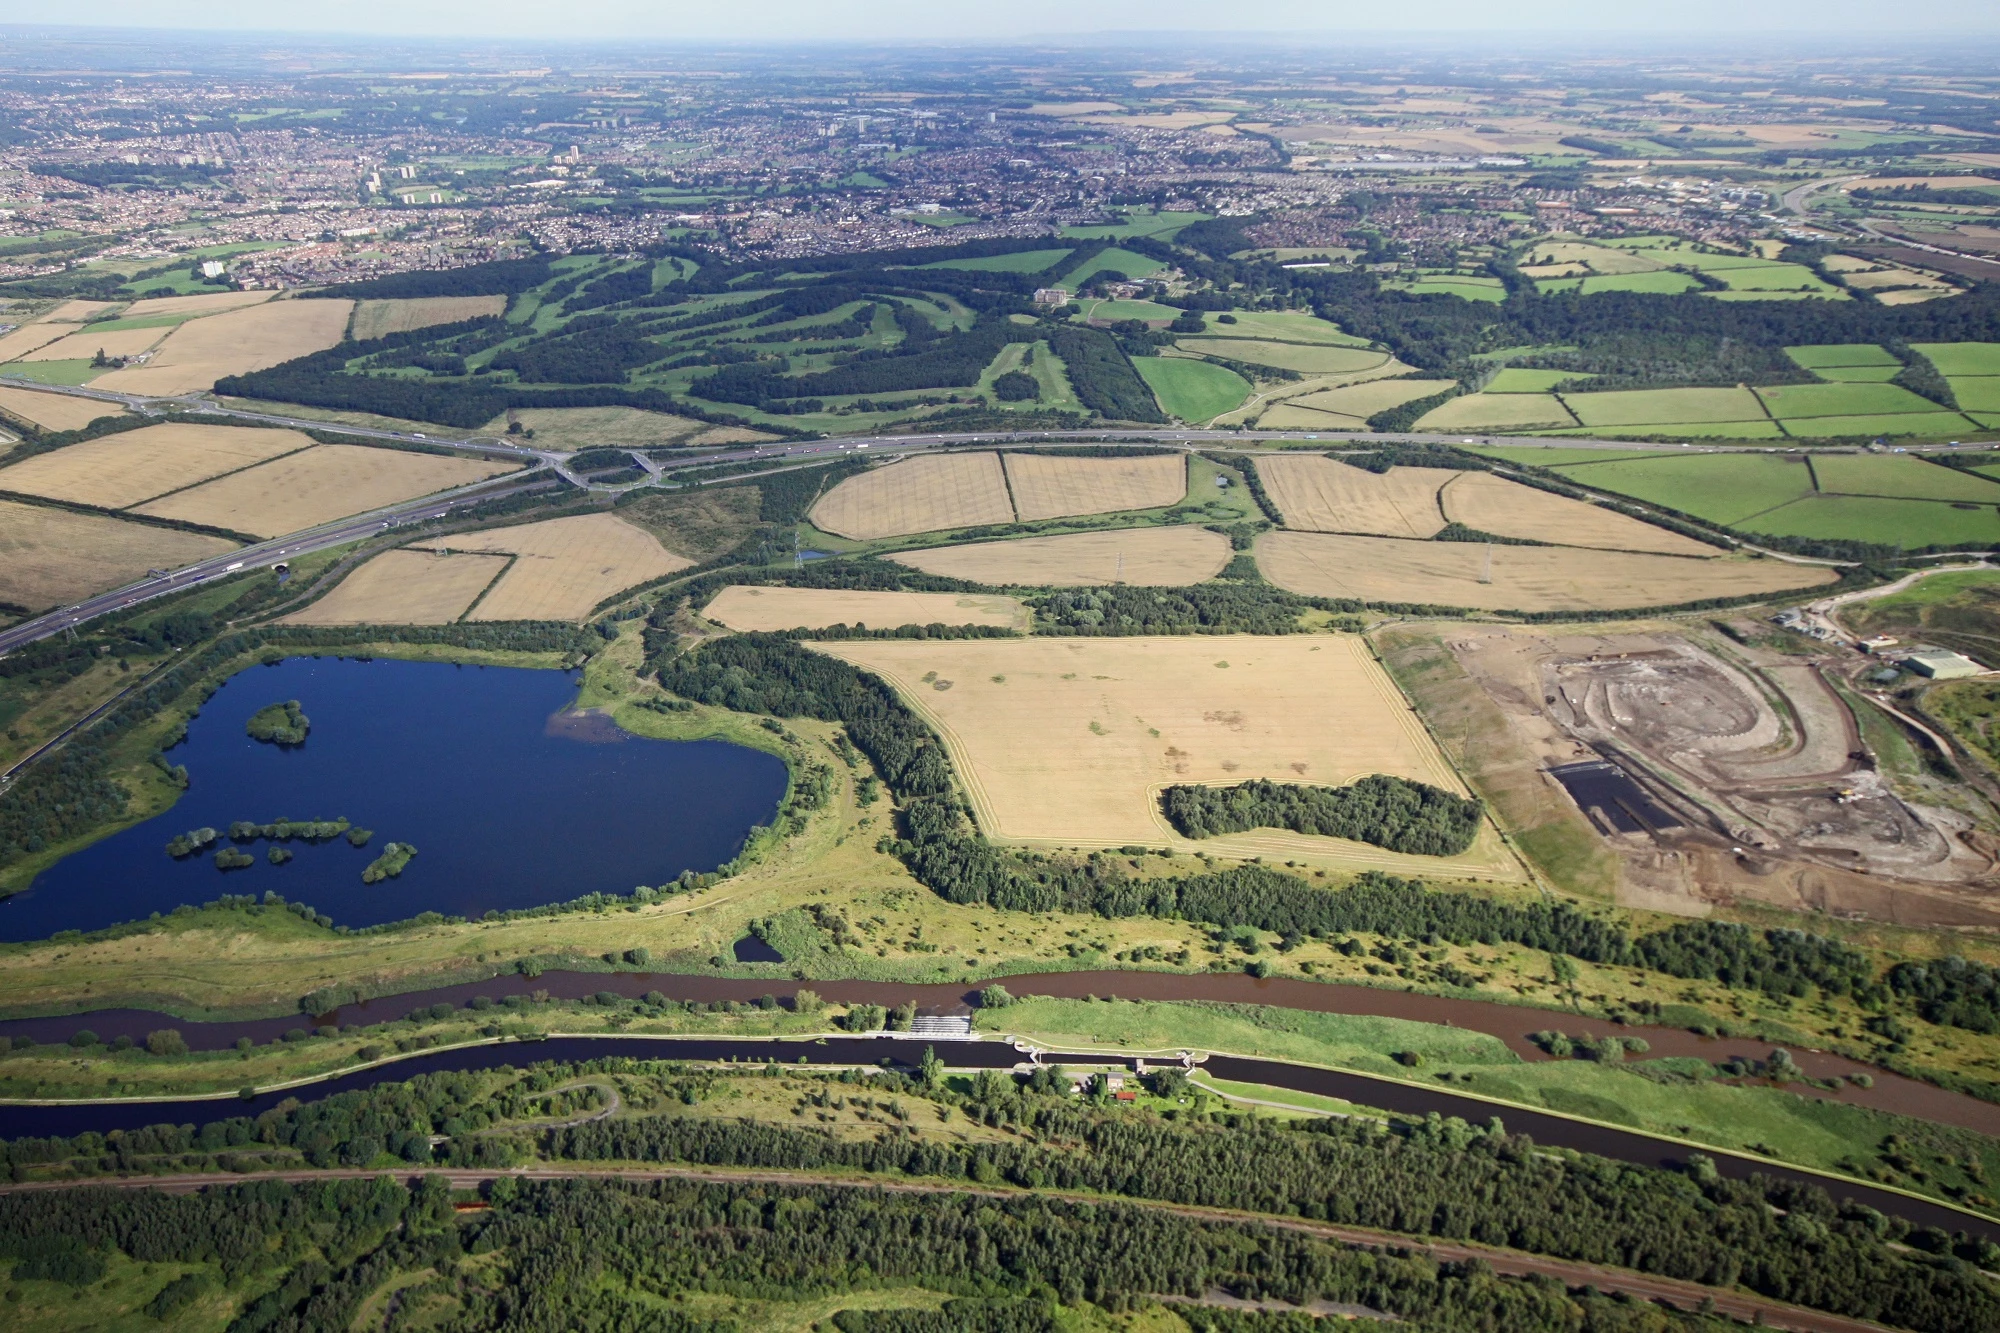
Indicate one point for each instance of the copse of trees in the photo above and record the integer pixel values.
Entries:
(1101, 375)
(1391, 812)
(501, 277)
(1206, 608)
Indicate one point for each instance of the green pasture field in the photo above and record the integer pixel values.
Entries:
(1518, 379)
(55, 372)
(1664, 407)
(1775, 278)
(1977, 393)
(1549, 455)
(1021, 261)
(1899, 476)
(1310, 360)
(1843, 400)
(1194, 391)
(1926, 425)
(1141, 223)
(1281, 326)
(1722, 488)
(1469, 289)
(1500, 411)
(1823, 356)
(1662, 282)
(1911, 524)
(1831, 294)
(1858, 374)
(1050, 372)
(1146, 310)
(1122, 261)
(1962, 358)
(1695, 430)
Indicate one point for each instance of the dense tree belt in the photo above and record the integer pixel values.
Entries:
(1102, 374)
(1385, 811)
(502, 277)
(1438, 1178)
(1951, 991)
(1204, 608)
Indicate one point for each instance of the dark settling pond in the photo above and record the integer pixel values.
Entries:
(508, 804)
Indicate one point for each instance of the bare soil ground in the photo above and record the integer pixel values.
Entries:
(52, 556)
(54, 411)
(753, 608)
(917, 495)
(1519, 578)
(566, 566)
(325, 482)
(201, 351)
(1046, 486)
(1505, 508)
(1316, 494)
(1069, 741)
(1150, 557)
(375, 319)
(404, 588)
(118, 471)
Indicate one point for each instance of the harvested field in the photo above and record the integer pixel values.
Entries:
(376, 319)
(1069, 741)
(28, 337)
(1147, 557)
(201, 351)
(318, 485)
(917, 495)
(1365, 400)
(54, 411)
(1521, 578)
(590, 427)
(1317, 494)
(88, 343)
(566, 566)
(1496, 411)
(49, 557)
(1310, 360)
(1505, 508)
(404, 588)
(752, 609)
(75, 312)
(203, 303)
(1051, 486)
(119, 471)
(1288, 415)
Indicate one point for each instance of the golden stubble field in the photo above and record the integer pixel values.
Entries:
(317, 485)
(1505, 508)
(923, 494)
(1317, 494)
(118, 471)
(52, 556)
(1068, 742)
(754, 608)
(15, 345)
(1052, 486)
(1518, 578)
(54, 411)
(566, 566)
(1150, 557)
(198, 303)
(404, 588)
(236, 342)
(376, 319)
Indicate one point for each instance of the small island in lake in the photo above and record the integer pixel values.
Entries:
(279, 724)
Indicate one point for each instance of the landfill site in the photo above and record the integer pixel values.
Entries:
(1720, 770)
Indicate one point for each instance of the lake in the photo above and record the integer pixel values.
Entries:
(510, 801)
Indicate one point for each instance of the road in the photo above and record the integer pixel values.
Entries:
(1821, 612)
(1795, 202)
(1732, 1302)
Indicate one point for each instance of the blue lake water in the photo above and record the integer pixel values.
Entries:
(510, 802)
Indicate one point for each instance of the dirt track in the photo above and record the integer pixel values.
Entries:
(1684, 1295)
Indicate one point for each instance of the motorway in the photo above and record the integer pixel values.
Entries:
(439, 505)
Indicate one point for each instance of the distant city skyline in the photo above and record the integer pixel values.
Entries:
(924, 20)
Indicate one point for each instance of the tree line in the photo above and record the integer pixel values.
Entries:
(1385, 811)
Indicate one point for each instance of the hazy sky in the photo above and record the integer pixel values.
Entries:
(791, 20)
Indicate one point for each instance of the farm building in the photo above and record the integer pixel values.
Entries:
(1941, 665)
